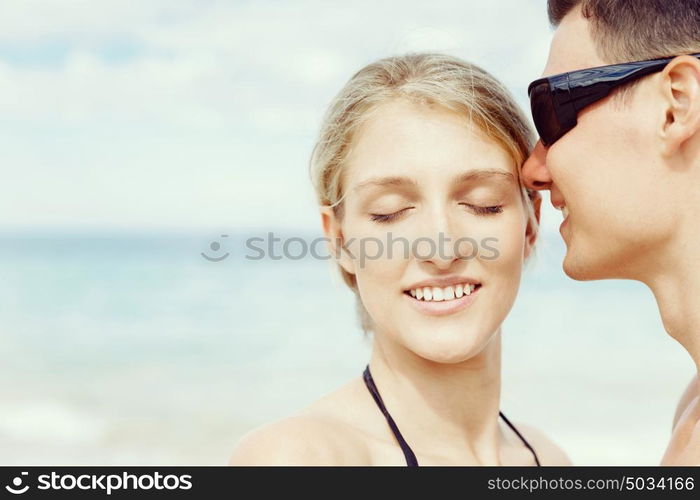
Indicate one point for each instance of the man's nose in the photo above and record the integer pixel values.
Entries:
(534, 172)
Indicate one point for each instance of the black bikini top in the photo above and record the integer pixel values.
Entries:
(407, 451)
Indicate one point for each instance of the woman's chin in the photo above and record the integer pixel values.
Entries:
(449, 348)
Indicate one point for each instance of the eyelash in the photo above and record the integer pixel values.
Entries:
(479, 210)
(385, 218)
(493, 210)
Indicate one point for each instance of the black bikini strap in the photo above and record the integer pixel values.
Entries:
(407, 451)
(411, 460)
(527, 445)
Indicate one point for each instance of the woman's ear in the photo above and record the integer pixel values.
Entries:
(532, 230)
(680, 87)
(335, 239)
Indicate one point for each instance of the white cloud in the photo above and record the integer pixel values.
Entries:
(215, 103)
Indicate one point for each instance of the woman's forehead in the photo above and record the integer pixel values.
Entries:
(405, 139)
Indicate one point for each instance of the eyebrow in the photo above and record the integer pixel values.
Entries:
(470, 176)
(395, 181)
(485, 173)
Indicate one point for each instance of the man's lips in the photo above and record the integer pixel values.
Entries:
(560, 205)
(565, 223)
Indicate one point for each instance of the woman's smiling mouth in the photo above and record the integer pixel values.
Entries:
(436, 294)
(442, 300)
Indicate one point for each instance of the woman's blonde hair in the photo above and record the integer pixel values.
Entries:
(433, 79)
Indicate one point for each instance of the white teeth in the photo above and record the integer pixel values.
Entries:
(436, 294)
(565, 212)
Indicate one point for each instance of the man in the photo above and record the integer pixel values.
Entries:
(619, 150)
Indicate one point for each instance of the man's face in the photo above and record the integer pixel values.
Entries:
(606, 171)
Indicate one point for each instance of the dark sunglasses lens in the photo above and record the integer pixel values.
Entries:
(543, 113)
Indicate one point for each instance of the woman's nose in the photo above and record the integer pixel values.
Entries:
(443, 247)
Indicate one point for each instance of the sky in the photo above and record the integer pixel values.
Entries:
(201, 113)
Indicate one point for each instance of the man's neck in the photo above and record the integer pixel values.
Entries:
(677, 293)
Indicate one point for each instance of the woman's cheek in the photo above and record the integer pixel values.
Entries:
(503, 244)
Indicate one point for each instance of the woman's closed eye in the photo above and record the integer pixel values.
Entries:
(385, 218)
(483, 210)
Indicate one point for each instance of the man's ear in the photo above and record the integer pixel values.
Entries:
(335, 239)
(680, 85)
(532, 230)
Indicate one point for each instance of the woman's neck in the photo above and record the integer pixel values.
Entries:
(442, 406)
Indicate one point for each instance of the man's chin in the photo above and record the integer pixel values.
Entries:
(582, 268)
(574, 272)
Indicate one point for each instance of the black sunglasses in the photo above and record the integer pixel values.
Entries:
(556, 100)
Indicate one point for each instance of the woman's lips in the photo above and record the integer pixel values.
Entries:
(443, 307)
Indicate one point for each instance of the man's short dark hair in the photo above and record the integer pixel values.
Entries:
(631, 30)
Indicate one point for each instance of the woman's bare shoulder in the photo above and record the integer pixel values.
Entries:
(322, 434)
(548, 452)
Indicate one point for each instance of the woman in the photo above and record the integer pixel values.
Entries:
(420, 153)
